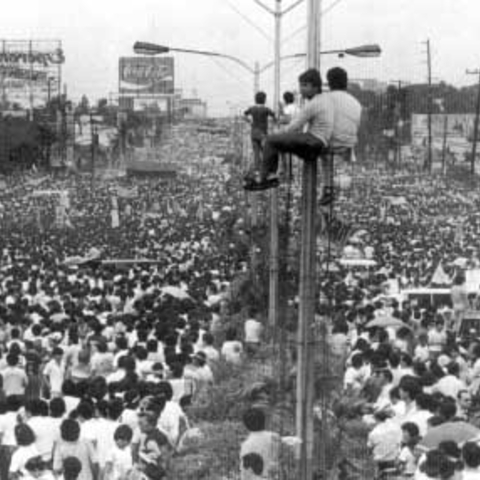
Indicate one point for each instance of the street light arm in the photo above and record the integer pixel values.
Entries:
(207, 53)
(291, 7)
(286, 57)
(265, 7)
(364, 51)
(154, 49)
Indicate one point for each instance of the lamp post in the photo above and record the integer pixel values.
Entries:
(147, 48)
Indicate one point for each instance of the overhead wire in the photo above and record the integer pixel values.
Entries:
(231, 75)
(249, 21)
(304, 27)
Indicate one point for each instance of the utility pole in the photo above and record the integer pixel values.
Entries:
(273, 301)
(475, 126)
(305, 362)
(273, 297)
(92, 152)
(430, 105)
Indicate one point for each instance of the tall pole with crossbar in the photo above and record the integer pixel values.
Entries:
(305, 364)
(273, 297)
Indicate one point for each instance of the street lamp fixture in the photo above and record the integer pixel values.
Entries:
(362, 51)
(146, 48)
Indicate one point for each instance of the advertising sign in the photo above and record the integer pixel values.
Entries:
(30, 71)
(456, 129)
(146, 75)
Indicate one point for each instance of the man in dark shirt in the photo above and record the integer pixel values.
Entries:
(258, 116)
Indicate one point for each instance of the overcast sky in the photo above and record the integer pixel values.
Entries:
(95, 33)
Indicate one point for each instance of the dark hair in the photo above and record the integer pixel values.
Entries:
(12, 360)
(71, 468)
(57, 408)
(387, 374)
(260, 98)
(85, 410)
(337, 79)
(123, 432)
(115, 409)
(24, 435)
(437, 465)
(152, 345)
(208, 338)
(69, 388)
(254, 462)
(447, 409)
(57, 351)
(35, 463)
(453, 368)
(288, 97)
(165, 389)
(37, 407)
(357, 360)
(411, 386)
(471, 454)
(70, 430)
(254, 420)
(412, 429)
(312, 77)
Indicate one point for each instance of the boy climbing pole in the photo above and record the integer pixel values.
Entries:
(258, 117)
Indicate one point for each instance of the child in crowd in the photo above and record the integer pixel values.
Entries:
(407, 460)
(119, 462)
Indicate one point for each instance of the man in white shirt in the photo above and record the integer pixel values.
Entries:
(44, 427)
(346, 122)
(253, 334)
(55, 372)
(450, 385)
(317, 116)
(385, 441)
(14, 377)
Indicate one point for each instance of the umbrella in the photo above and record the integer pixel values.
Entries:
(58, 317)
(384, 322)
(460, 262)
(176, 293)
(459, 432)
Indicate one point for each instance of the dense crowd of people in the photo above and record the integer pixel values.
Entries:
(102, 353)
(112, 323)
(411, 364)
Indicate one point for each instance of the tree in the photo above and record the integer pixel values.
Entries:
(83, 108)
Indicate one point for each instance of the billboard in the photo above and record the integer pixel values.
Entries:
(456, 129)
(30, 72)
(146, 76)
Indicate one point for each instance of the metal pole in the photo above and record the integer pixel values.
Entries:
(92, 133)
(444, 146)
(430, 105)
(305, 366)
(256, 78)
(253, 196)
(476, 123)
(274, 244)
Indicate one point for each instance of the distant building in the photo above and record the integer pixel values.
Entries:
(371, 84)
(193, 108)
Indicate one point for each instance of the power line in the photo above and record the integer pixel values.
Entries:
(304, 27)
(249, 21)
(230, 74)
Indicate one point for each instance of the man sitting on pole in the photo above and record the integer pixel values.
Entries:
(330, 121)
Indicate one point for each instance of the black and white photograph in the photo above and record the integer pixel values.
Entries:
(240, 240)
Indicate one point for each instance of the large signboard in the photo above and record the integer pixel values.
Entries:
(455, 129)
(30, 72)
(146, 76)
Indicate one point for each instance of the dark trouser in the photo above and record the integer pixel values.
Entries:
(303, 145)
(257, 148)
